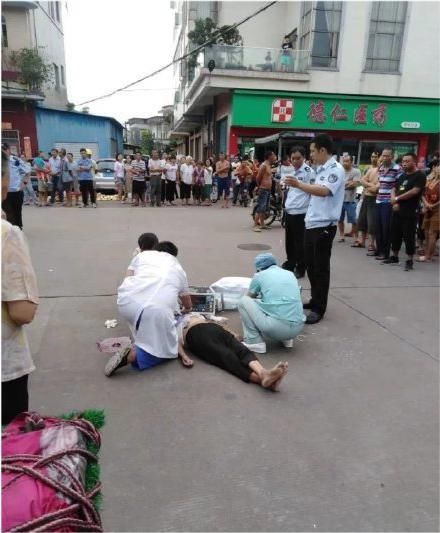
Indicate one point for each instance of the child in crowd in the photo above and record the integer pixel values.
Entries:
(198, 182)
(207, 188)
(42, 170)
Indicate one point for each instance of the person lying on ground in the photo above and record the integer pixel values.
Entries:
(219, 346)
(273, 308)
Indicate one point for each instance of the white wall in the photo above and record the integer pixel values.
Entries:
(17, 27)
(420, 51)
(267, 29)
(421, 58)
(50, 41)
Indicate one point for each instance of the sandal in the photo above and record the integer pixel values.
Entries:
(358, 244)
(341, 239)
(371, 248)
(423, 259)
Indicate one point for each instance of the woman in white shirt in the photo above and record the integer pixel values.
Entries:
(120, 177)
(186, 179)
(171, 173)
(207, 188)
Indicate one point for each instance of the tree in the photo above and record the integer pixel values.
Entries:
(34, 71)
(206, 30)
(147, 142)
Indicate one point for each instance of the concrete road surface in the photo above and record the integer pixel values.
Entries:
(349, 444)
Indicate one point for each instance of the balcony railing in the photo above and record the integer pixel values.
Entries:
(256, 59)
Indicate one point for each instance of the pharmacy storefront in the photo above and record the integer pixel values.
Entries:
(358, 124)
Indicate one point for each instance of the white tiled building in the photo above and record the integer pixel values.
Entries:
(349, 59)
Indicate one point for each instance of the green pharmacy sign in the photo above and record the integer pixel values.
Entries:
(267, 109)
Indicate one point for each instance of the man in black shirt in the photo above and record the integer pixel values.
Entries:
(405, 200)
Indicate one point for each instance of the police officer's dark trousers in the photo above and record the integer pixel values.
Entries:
(318, 249)
(295, 229)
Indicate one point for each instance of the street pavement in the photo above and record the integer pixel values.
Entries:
(350, 443)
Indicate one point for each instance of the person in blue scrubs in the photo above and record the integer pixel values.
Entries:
(272, 308)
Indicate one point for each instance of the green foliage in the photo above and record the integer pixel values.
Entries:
(206, 30)
(93, 470)
(147, 142)
(202, 32)
(34, 71)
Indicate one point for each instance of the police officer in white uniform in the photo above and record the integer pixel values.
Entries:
(327, 196)
(295, 207)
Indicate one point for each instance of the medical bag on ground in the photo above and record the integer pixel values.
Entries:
(229, 290)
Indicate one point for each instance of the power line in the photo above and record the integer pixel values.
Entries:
(197, 49)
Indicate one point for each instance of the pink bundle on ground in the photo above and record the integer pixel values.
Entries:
(114, 344)
(43, 475)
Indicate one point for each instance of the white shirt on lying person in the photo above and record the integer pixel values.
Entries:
(158, 278)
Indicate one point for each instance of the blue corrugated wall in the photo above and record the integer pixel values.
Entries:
(55, 126)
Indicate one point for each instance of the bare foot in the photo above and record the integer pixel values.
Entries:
(272, 376)
(284, 365)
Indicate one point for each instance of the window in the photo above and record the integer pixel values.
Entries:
(4, 33)
(320, 28)
(385, 37)
(63, 81)
(56, 71)
(58, 11)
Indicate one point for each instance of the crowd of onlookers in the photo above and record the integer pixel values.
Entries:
(381, 216)
(399, 203)
(162, 180)
(393, 201)
(157, 180)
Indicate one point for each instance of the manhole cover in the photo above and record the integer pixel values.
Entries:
(254, 246)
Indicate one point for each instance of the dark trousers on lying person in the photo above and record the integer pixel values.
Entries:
(403, 229)
(295, 230)
(318, 249)
(86, 187)
(218, 347)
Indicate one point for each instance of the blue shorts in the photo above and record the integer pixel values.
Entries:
(223, 185)
(263, 201)
(145, 360)
(350, 209)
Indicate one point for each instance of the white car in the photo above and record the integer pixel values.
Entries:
(105, 175)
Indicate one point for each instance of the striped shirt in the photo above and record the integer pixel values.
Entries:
(387, 180)
(138, 170)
